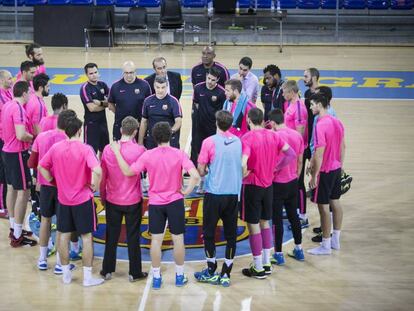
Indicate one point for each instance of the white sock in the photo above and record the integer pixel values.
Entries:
(179, 270)
(67, 274)
(87, 273)
(213, 259)
(336, 234)
(43, 253)
(228, 262)
(156, 272)
(258, 264)
(18, 230)
(74, 246)
(279, 253)
(298, 247)
(266, 256)
(11, 220)
(58, 259)
(303, 216)
(326, 243)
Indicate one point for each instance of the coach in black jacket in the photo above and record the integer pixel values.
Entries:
(175, 84)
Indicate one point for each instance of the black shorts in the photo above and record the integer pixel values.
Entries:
(256, 203)
(174, 212)
(224, 207)
(150, 143)
(17, 172)
(80, 218)
(48, 201)
(96, 135)
(328, 187)
(285, 191)
(2, 173)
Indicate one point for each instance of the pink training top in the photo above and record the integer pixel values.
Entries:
(295, 141)
(329, 133)
(115, 187)
(72, 163)
(36, 110)
(263, 148)
(49, 123)
(164, 166)
(243, 129)
(5, 96)
(39, 69)
(208, 148)
(296, 115)
(43, 142)
(13, 114)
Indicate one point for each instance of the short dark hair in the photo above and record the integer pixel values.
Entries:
(277, 116)
(29, 48)
(129, 125)
(161, 132)
(246, 61)
(64, 118)
(73, 126)
(160, 80)
(235, 84)
(58, 101)
(256, 116)
(314, 72)
(320, 99)
(89, 66)
(326, 91)
(40, 80)
(19, 88)
(26, 65)
(214, 72)
(273, 70)
(224, 120)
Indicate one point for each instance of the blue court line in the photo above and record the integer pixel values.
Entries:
(345, 84)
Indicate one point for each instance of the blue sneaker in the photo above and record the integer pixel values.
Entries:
(297, 254)
(225, 281)
(180, 280)
(277, 259)
(156, 283)
(58, 269)
(42, 265)
(203, 276)
(73, 256)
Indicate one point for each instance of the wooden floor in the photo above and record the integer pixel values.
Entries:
(374, 270)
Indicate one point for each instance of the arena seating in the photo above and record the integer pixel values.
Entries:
(308, 4)
(331, 4)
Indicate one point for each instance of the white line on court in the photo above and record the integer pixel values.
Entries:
(144, 297)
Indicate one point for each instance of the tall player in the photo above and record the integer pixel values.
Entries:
(16, 153)
(127, 96)
(220, 161)
(262, 151)
(59, 103)
(75, 169)
(326, 173)
(36, 108)
(122, 197)
(164, 165)
(271, 93)
(94, 94)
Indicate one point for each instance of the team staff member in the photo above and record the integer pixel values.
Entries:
(157, 108)
(36, 108)
(93, 95)
(199, 71)
(175, 83)
(262, 151)
(220, 161)
(127, 96)
(15, 154)
(75, 168)
(208, 98)
(164, 166)
(327, 163)
(271, 93)
(250, 82)
(122, 197)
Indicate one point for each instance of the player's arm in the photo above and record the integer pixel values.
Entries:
(96, 178)
(142, 130)
(244, 165)
(342, 153)
(202, 169)
(194, 180)
(111, 107)
(300, 163)
(22, 134)
(45, 173)
(180, 87)
(123, 165)
(288, 155)
(96, 105)
(177, 125)
(317, 163)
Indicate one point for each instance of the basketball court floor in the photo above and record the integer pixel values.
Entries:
(374, 270)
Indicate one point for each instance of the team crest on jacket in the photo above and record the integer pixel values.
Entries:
(214, 98)
(137, 91)
(164, 107)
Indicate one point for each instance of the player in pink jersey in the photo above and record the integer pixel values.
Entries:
(327, 163)
(34, 53)
(296, 118)
(59, 103)
(48, 192)
(6, 84)
(285, 190)
(164, 165)
(36, 108)
(27, 73)
(16, 153)
(122, 197)
(264, 152)
(239, 105)
(75, 169)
